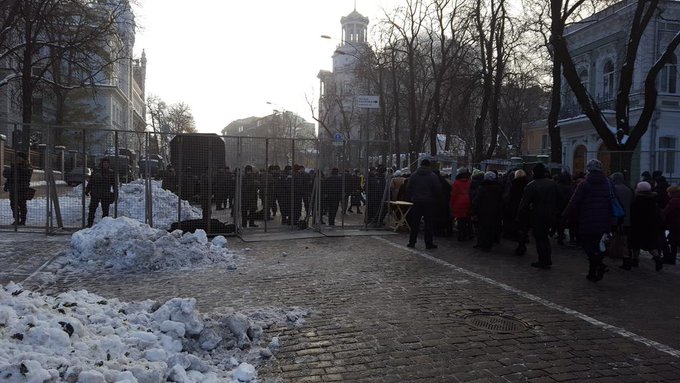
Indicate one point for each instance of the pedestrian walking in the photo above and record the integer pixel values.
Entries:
(516, 232)
(671, 220)
(539, 205)
(102, 189)
(332, 190)
(646, 227)
(249, 187)
(487, 211)
(18, 184)
(460, 204)
(621, 230)
(423, 188)
(591, 208)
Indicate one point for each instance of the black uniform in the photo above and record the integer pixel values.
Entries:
(332, 191)
(102, 188)
(18, 184)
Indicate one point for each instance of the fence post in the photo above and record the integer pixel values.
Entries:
(3, 139)
(61, 160)
(75, 162)
(117, 171)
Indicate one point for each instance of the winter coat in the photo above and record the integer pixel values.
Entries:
(102, 184)
(249, 188)
(590, 206)
(332, 187)
(515, 194)
(625, 196)
(488, 203)
(21, 174)
(671, 219)
(646, 227)
(540, 203)
(424, 186)
(395, 185)
(660, 186)
(460, 198)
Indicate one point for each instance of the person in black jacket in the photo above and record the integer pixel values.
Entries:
(249, 186)
(538, 210)
(332, 190)
(18, 184)
(424, 189)
(102, 188)
(487, 211)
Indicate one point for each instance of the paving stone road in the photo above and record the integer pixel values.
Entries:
(384, 313)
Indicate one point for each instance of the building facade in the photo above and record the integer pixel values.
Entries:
(113, 99)
(338, 112)
(598, 47)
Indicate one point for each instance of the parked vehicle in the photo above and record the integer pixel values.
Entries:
(77, 176)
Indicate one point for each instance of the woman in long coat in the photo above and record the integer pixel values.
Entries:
(487, 209)
(460, 204)
(646, 227)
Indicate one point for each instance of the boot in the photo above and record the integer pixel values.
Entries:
(670, 259)
(601, 269)
(627, 264)
(658, 263)
(592, 272)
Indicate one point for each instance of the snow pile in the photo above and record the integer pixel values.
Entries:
(82, 337)
(124, 244)
(131, 203)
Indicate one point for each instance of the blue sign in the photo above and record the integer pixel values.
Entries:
(338, 137)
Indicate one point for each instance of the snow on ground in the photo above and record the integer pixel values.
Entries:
(127, 245)
(81, 337)
(131, 204)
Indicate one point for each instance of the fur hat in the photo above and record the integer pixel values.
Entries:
(594, 166)
(643, 187)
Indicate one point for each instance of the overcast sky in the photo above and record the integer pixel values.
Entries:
(227, 59)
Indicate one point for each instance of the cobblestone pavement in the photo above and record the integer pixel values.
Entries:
(384, 313)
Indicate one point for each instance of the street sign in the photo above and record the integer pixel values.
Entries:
(368, 102)
(338, 139)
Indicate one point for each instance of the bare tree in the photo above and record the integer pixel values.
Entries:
(180, 120)
(61, 45)
(622, 136)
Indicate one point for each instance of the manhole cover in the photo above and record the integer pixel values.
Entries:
(496, 323)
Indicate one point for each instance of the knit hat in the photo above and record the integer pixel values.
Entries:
(477, 172)
(643, 187)
(489, 176)
(594, 166)
(539, 170)
(397, 173)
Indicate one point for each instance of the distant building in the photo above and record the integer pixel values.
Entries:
(338, 112)
(598, 46)
(116, 99)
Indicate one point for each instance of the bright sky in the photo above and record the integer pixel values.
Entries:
(227, 59)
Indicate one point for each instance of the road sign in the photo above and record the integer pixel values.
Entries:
(368, 102)
(339, 140)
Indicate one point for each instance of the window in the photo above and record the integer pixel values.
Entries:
(37, 108)
(240, 129)
(608, 81)
(544, 141)
(668, 78)
(666, 154)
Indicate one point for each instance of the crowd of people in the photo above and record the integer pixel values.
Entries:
(598, 213)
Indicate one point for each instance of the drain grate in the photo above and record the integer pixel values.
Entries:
(495, 322)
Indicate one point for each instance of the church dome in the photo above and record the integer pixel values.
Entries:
(354, 16)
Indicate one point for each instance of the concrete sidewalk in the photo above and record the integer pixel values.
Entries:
(382, 312)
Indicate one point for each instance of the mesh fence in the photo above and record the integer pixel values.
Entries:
(223, 185)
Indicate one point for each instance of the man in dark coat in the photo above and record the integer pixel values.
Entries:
(375, 195)
(102, 188)
(169, 182)
(424, 188)
(249, 186)
(487, 211)
(591, 208)
(220, 189)
(18, 184)
(332, 190)
(539, 205)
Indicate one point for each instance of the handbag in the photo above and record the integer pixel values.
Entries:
(617, 209)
